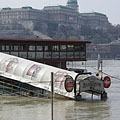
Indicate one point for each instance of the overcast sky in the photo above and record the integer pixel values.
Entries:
(109, 7)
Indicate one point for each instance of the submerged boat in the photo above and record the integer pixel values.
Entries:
(19, 76)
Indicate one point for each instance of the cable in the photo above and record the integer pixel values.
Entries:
(111, 76)
(107, 74)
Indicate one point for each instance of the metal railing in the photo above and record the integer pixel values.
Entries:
(20, 90)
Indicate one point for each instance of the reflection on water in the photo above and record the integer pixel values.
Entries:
(85, 110)
(17, 108)
(23, 108)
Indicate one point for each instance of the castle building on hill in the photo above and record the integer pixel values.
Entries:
(20, 20)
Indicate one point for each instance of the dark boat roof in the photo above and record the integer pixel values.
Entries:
(43, 40)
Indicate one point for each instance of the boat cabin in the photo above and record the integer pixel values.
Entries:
(47, 51)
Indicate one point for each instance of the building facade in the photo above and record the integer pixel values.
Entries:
(95, 20)
(62, 15)
(106, 51)
(66, 15)
(10, 15)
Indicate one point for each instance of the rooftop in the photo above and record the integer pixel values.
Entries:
(18, 9)
(44, 40)
(94, 13)
(57, 7)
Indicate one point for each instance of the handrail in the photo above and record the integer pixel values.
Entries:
(21, 88)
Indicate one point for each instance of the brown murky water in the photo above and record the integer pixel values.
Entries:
(17, 108)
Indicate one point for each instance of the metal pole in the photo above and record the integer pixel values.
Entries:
(52, 94)
(92, 96)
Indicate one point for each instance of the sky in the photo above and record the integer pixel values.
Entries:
(111, 8)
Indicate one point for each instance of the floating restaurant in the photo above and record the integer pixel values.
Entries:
(19, 76)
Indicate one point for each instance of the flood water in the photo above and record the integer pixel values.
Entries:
(23, 108)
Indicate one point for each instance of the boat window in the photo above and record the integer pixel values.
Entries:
(14, 53)
(7, 47)
(63, 47)
(76, 47)
(11, 47)
(55, 48)
(39, 48)
(82, 47)
(70, 55)
(3, 47)
(46, 48)
(22, 47)
(6, 52)
(55, 54)
(82, 55)
(70, 47)
(15, 47)
(32, 48)
(62, 54)
(31, 54)
(39, 54)
(47, 55)
(76, 54)
(23, 54)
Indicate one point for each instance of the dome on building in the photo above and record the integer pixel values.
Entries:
(72, 2)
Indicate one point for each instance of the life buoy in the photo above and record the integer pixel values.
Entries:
(69, 83)
(107, 82)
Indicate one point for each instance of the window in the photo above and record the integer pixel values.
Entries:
(47, 55)
(46, 48)
(23, 54)
(31, 54)
(62, 47)
(14, 53)
(76, 47)
(7, 47)
(62, 54)
(39, 48)
(82, 55)
(55, 48)
(3, 47)
(70, 47)
(32, 48)
(69, 54)
(15, 47)
(11, 47)
(22, 47)
(82, 47)
(76, 54)
(39, 54)
(7, 52)
(55, 54)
